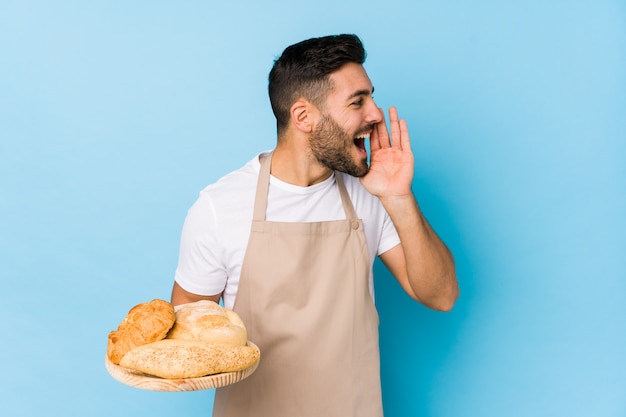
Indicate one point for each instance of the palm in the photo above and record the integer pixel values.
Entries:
(391, 161)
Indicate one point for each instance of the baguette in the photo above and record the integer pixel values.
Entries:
(177, 358)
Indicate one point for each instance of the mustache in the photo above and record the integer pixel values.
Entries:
(365, 129)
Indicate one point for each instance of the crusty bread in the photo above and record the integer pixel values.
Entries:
(207, 321)
(176, 358)
(145, 323)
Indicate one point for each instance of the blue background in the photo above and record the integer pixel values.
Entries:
(113, 116)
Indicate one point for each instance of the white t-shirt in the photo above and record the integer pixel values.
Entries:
(217, 226)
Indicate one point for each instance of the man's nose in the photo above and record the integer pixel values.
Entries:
(374, 114)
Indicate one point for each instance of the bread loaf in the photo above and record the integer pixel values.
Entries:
(207, 321)
(176, 358)
(145, 323)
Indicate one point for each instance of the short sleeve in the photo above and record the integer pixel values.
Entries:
(200, 268)
(389, 236)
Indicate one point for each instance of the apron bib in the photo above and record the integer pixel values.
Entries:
(304, 297)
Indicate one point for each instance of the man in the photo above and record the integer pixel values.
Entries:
(288, 241)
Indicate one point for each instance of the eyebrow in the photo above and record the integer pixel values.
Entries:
(361, 93)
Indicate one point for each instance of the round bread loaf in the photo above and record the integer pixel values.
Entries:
(207, 321)
(145, 323)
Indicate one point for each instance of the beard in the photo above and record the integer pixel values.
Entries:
(333, 147)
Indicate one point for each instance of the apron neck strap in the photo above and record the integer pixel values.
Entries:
(345, 198)
(263, 186)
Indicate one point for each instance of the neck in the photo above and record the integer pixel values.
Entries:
(296, 165)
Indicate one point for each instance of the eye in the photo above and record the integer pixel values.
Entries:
(358, 103)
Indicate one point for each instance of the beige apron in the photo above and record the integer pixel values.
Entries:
(304, 296)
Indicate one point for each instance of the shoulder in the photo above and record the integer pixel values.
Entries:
(230, 196)
(365, 204)
(356, 190)
(233, 184)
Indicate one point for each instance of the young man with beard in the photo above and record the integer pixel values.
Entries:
(288, 241)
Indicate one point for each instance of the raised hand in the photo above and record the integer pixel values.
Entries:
(391, 160)
(422, 263)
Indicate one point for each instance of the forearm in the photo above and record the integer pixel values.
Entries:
(181, 296)
(424, 266)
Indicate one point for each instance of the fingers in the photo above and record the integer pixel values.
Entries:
(394, 125)
(399, 138)
(379, 137)
(405, 141)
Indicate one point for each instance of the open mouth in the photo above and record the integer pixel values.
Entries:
(359, 142)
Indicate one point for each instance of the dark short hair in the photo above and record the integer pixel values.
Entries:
(304, 68)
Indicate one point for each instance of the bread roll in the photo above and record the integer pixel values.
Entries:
(207, 321)
(145, 323)
(176, 358)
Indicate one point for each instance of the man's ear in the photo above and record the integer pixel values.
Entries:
(303, 115)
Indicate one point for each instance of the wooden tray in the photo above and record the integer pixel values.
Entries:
(140, 380)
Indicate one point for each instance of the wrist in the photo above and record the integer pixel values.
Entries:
(402, 204)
